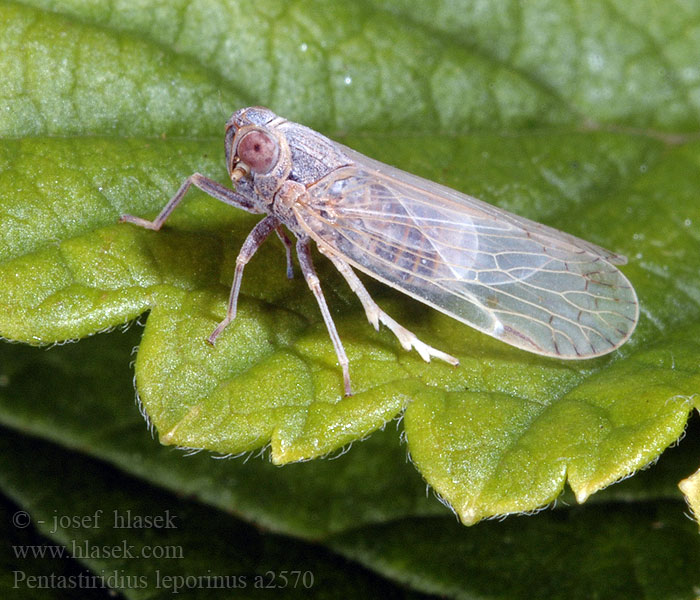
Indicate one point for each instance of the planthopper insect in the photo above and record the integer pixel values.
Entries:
(526, 284)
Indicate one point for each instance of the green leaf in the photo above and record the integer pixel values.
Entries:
(78, 396)
(580, 118)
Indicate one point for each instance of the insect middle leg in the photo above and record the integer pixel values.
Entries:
(209, 186)
(251, 244)
(307, 268)
(288, 249)
(375, 315)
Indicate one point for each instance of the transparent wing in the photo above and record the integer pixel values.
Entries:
(524, 283)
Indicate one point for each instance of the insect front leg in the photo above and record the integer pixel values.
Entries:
(375, 314)
(307, 268)
(255, 238)
(208, 186)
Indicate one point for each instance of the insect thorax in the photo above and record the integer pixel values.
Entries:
(313, 155)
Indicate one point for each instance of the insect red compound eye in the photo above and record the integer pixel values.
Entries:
(259, 151)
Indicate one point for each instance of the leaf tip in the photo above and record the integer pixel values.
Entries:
(691, 490)
(469, 515)
(582, 494)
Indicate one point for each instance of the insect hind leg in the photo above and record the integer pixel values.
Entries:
(375, 315)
